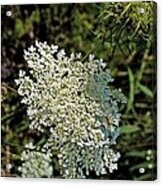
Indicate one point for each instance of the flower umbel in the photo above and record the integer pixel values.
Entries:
(75, 102)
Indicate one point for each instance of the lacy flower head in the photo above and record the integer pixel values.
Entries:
(72, 98)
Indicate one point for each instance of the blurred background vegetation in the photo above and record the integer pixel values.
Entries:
(120, 33)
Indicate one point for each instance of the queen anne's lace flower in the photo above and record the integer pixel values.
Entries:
(35, 164)
(72, 99)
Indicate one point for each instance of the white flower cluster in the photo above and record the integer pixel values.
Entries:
(35, 164)
(73, 100)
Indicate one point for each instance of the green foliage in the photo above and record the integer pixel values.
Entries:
(23, 27)
(123, 27)
(132, 89)
(146, 90)
(127, 129)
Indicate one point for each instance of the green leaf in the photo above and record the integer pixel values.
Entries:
(19, 28)
(127, 129)
(145, 90)
(145, 177)
(131, 89)
(139, 154)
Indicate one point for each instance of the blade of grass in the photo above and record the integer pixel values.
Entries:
(131, 90)
(145, 90)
